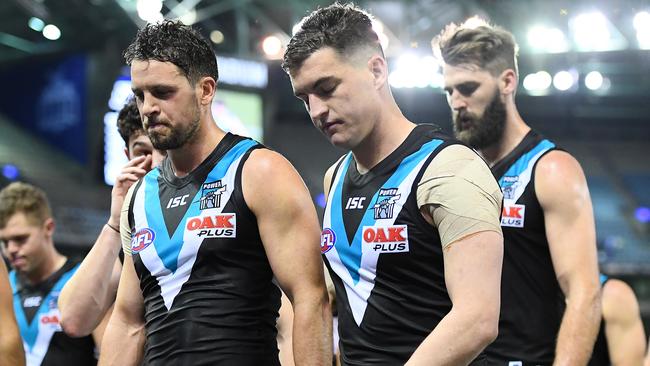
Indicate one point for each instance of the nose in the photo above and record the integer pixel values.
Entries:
(317, 108)
(10, 247)
(149, 106)
(457, 102)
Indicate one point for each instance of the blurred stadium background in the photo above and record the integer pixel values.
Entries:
(584, 81)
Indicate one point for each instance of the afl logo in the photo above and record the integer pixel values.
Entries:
(142, 239)
(327, 240)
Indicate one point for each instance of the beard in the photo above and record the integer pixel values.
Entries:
(177, 136)
(484, 131)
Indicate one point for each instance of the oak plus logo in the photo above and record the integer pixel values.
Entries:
(386, 239)
(513, 215)
(213, 226)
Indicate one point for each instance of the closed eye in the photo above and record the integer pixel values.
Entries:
(466, 89)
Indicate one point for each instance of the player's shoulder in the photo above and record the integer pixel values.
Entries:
(557, 174)
(458, 160)
(560, 183)
(557, 162)
(266, 161)
(618, 299)
(617, 290)
(267, 170)
(457, 151)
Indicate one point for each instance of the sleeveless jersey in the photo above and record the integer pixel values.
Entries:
(37, 315)
(532, 303)
(207, 285)
(600, 355)
(385, 260)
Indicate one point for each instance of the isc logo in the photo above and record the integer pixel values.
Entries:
(355, 203)
(513, 215)
(142, 239)
(215, 226)
(177, 201)
(386, 239)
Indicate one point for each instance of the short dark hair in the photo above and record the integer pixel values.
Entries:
(344, 27)
(478, 43)
(172, 41)
(129, 122)
(24, 198)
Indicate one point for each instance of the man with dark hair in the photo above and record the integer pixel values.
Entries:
(213, 228)
(11, 345)
(39, 273)
(136, 141)
(86, 298)
(411, 232)
(550, 304)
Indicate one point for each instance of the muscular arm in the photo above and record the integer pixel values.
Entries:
(123, 341)
(459, 195)
(11, 345)
(289, 230)
(473, 277)
(623, 325)
(563, 194)
(86, 298)
(91, 291)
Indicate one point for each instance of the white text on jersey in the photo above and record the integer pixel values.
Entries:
(177, 201)
(355, 203)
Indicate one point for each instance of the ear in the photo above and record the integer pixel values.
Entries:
(49, 225)
(126, 152)
(508, 82)
(379, 69)
(206, 86)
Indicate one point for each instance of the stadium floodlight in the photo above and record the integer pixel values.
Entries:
(545, 39)
(591, 32)
(149, 10)
(538, 81)
(272, 46)
(563, 80)
(594, 80)
(51, 32)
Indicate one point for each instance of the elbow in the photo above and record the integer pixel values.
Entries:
(488, 330)
(485, 327)
(73, 327)
(586, 299)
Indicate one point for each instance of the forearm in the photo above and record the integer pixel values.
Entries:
(579, 329)
(312, 332)
(92, 289)
(11, 346)
(456, 340)
(123, 343)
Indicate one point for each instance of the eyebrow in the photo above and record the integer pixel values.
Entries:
(315, 85)
(153, 86)
(139, 143)
(447, 88)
